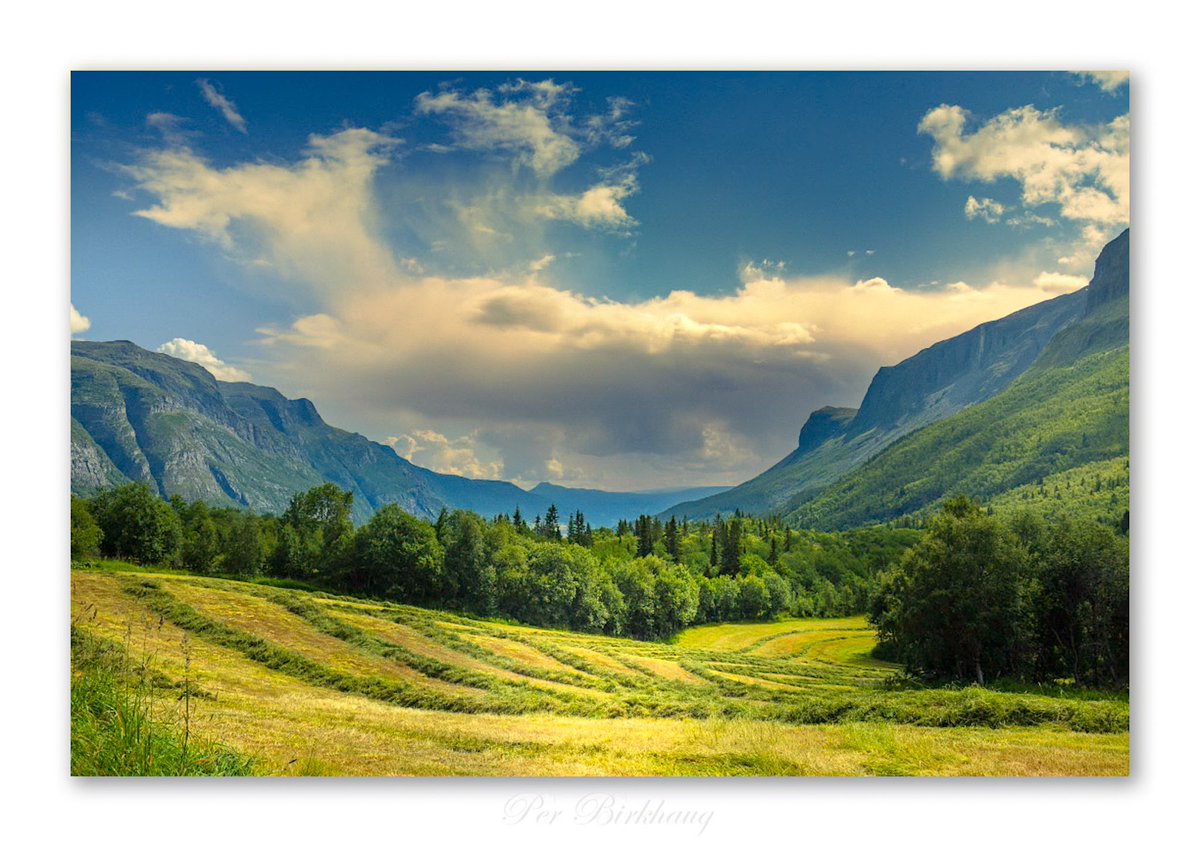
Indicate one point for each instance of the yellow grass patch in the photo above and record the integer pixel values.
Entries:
(519, 652)
(408, 638)
(665, 668)
(275, 624)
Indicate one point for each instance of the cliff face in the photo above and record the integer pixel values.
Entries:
(965, 369)
(1111, 280)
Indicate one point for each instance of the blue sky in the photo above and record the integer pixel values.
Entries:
(627, 280)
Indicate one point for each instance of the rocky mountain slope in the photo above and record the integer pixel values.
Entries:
(151, 418)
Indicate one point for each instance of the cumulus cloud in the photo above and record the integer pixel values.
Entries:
(79, 323)
(984, 208)
(705, 381)
(222, 104)
(194, 351)
(314, 220)
(531, 125)
(1084, 170)
(525, 119)
(1109, 81)
(598, 206)
(433, 450)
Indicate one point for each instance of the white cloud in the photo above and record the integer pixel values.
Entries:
(527, 120)
(598, 207)
(193, 351)
(1109, 81)
(314, 220)
(539, 265)
(985, 208)
(1082, 169)
(222, 104)
(171, 127)
(1029, 219)
(433, 450)
(79, 323)
(530, 124)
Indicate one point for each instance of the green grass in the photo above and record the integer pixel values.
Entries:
(312, 683)
(123, 723)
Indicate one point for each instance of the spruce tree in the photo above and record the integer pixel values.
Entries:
(550, 524)
(672, 538)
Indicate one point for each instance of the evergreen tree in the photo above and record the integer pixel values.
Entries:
(645, 536)
(672, 539)
(550, 528)
(731, 548)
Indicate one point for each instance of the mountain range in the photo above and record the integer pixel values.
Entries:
(148, 417)
(1037, 393)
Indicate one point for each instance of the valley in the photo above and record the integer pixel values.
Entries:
(307, 683)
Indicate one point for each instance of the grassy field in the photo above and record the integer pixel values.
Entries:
(304, 683)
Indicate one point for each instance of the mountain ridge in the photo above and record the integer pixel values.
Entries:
(147, 417)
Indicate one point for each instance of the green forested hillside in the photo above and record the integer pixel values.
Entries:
(1098, 491)
(1049, 421)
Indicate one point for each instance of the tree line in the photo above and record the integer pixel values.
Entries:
(647, 579)
(981, 598)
